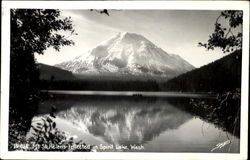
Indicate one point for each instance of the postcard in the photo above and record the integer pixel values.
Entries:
(124, 80)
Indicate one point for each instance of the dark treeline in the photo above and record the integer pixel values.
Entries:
(219, 76)
(97, 85)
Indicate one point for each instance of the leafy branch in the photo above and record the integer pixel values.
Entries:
(223, 37)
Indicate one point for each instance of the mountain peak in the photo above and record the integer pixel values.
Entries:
(128, 53)
(124, 34)
(129, 35)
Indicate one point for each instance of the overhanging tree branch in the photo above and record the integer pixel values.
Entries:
(220, 37)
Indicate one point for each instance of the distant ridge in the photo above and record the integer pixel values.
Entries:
(219, 76)
(48, 72)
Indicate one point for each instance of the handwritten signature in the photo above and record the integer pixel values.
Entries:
(221, 145)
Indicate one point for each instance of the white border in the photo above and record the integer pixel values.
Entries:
(181, 5)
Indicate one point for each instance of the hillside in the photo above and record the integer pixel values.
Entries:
(221, 75)
(48, 72)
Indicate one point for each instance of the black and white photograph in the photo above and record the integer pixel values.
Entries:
(125, 80)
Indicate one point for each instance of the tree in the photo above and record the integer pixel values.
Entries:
(227, 37)
(32, 31)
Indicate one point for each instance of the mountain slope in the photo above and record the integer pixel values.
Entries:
(129, 54)
(219, 76)
(48, 72)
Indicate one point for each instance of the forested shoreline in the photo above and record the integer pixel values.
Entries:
(217, 77)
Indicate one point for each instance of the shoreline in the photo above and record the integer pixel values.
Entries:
(133, 93)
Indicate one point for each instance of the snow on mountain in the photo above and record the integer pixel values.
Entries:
(127, 53)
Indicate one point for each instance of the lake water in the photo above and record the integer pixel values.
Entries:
(137, 124)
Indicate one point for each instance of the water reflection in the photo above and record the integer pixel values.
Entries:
(147, 121)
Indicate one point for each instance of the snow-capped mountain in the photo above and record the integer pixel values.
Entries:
(127, 53)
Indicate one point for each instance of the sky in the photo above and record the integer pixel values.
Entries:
(175, 31)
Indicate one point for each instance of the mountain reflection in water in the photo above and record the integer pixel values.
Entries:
(127, 120)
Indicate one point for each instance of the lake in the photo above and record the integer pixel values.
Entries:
(128, 123)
